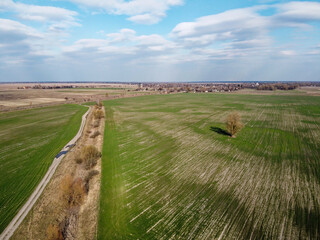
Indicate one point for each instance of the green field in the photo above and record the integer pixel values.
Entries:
(29, 141)
(169, 172)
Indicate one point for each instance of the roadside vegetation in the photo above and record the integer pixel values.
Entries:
(75, 186)
(171, 171)
(29, 141)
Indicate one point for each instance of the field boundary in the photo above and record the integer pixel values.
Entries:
(16, 221)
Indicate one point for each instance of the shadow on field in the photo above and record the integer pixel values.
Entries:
(307, 220)
(220, 131)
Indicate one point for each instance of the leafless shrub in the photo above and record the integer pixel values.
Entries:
(95, 134)
(234, 124)
(72, 191)
(88, 131)
(87, 179)
(90, 155)
(78, 160)
(96, 123)
(98, 114)
(91, 174)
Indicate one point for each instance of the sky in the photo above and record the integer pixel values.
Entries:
(159, 40)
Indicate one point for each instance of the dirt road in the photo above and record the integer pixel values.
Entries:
(16, 221)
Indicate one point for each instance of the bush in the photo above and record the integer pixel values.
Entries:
(95, 134)
(96, 123)
(90, 155)
(87, 179)
(72, 191)
(98, 114)
(78, 160)
(91, 174)
(54, 233)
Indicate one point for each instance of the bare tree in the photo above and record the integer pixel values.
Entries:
(234, 124)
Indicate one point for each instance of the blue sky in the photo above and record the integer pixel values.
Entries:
(159, 40)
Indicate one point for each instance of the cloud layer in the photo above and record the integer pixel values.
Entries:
(140, 11)
(231, 45)
(45, 14)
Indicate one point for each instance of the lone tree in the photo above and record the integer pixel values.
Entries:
(234, 124)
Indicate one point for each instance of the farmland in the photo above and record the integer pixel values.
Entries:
(170, 172)
(29, 141)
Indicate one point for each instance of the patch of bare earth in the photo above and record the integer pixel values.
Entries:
(50, 215)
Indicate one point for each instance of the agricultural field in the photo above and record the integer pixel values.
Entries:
(169, 171)
(29, 141)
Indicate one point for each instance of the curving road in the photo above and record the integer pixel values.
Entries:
(16, 221)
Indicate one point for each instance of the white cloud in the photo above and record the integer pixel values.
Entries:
(46, 14)
(230, 21)
(288, 52)
(147, 19)
(314, 52)
(18, 30)
(298, 11)
(140, 11)
(244, 31)
(129, 37)
(238, 25)
(125, 45)
(18, 42)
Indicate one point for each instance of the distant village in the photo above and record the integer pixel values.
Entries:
(166, 88)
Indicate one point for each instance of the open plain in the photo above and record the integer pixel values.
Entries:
(170, 171)
(19, 96)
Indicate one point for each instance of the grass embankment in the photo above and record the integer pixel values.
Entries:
(170, 172)
(29, 141)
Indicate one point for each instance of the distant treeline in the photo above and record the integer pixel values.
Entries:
(277, 86)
